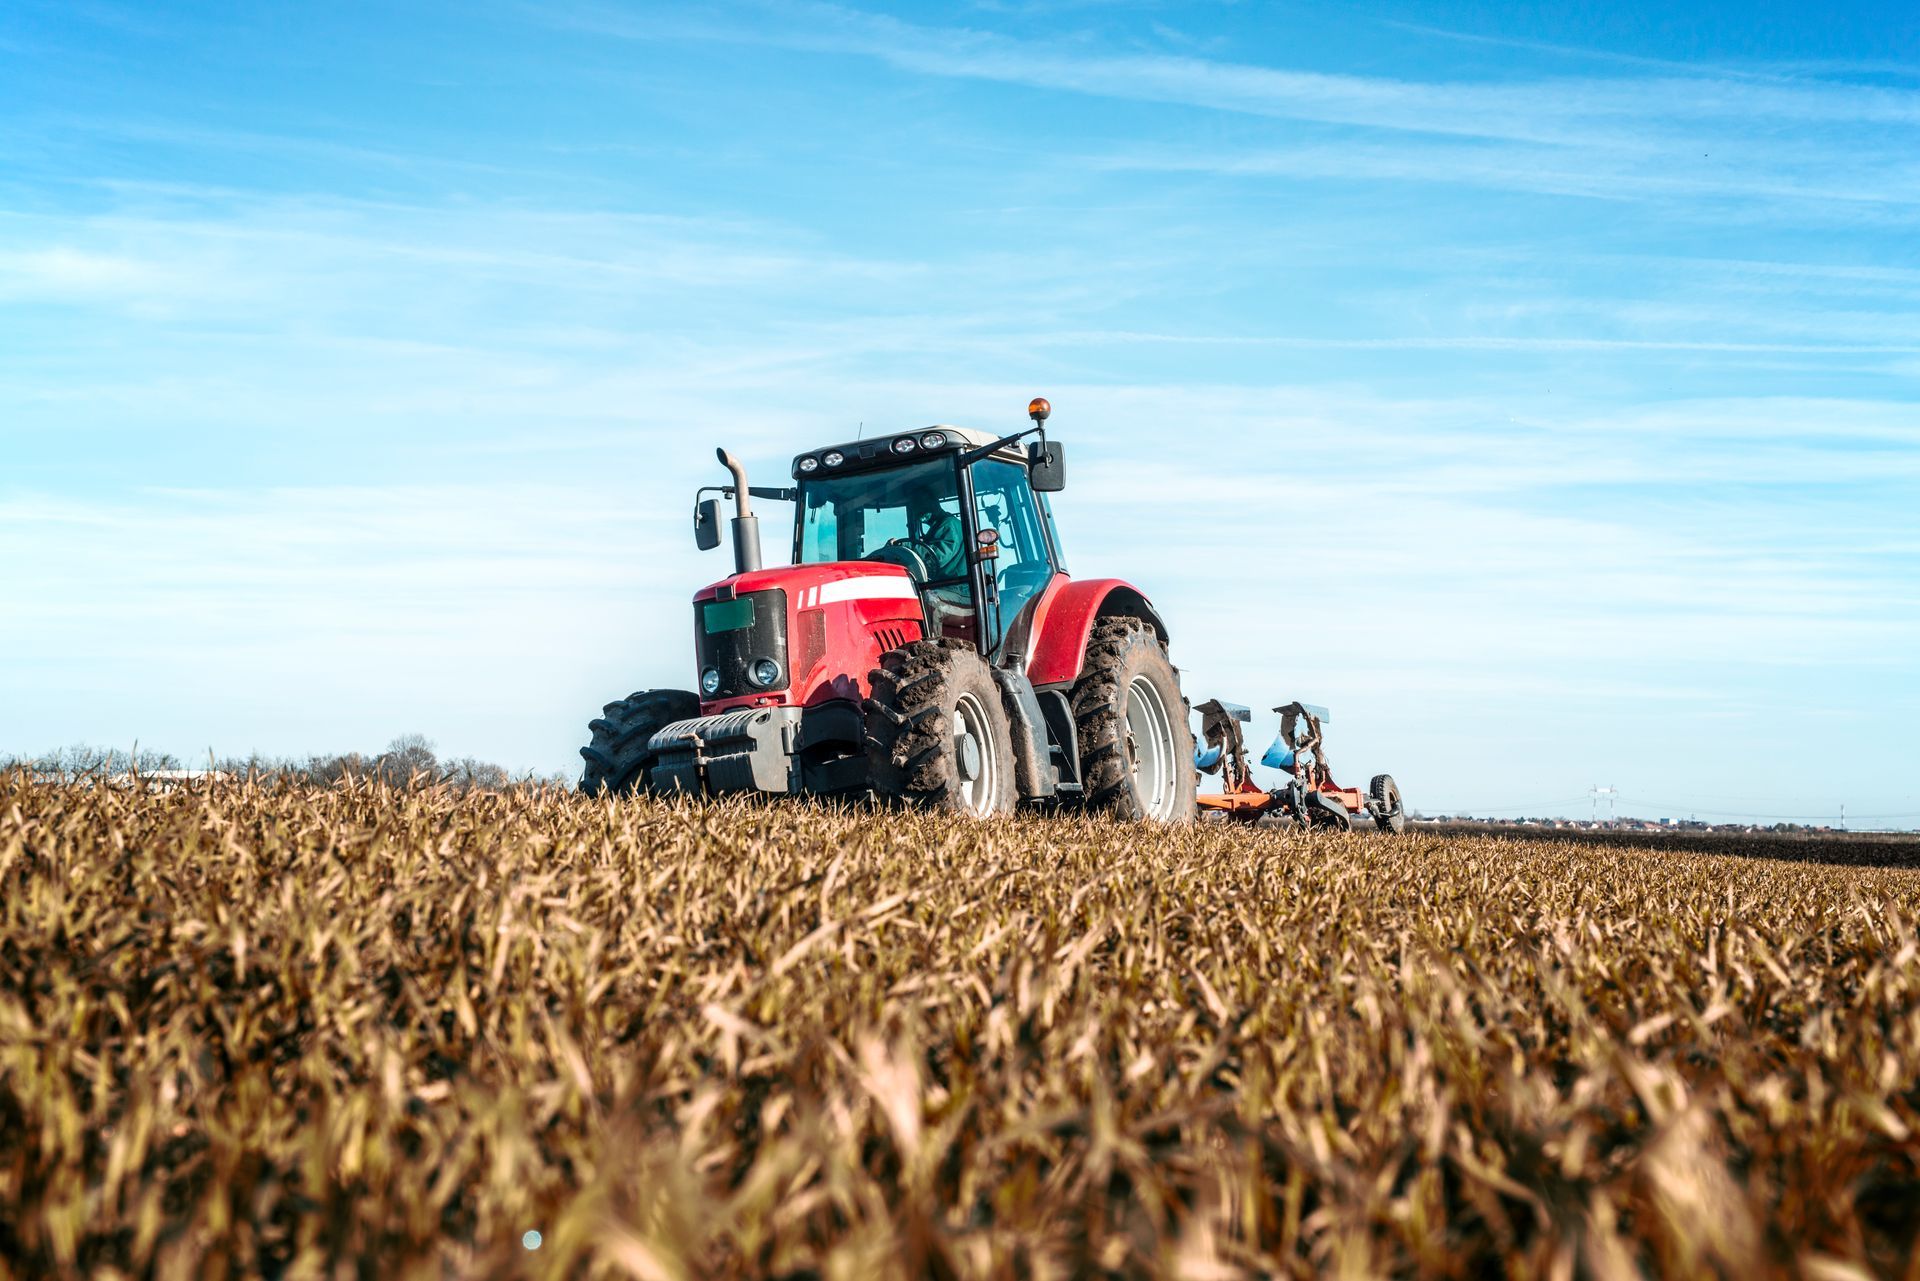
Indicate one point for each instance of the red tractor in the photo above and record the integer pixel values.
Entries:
(926, 645)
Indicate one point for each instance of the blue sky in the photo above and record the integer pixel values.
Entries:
(1536, 389)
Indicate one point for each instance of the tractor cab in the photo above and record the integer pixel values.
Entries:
(963, 512)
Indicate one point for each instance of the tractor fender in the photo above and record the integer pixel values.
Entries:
(1065, 618)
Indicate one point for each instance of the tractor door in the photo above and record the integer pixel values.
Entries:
(1023, 562)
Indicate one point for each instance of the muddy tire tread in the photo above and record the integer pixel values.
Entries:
(1095, 702)
(616, 759)
(906, 728)
(909, 726)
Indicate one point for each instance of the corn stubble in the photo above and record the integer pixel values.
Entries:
(368, 1032)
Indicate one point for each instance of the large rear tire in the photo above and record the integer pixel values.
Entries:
(1136, 748)
(1389, 812)
(617, 759)
(937, 732)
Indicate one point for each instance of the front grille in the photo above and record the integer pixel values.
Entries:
(729, 636)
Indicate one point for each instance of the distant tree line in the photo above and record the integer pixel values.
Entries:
(408, 760)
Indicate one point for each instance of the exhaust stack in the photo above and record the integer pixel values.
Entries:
(746, 526)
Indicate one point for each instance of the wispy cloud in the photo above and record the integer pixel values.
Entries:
(1853, 185)
(1558, 110)
(1580, 53)
(64, 273)
(1686, 131)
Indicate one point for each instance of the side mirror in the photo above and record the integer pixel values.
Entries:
(1047, 466)
(706, 525)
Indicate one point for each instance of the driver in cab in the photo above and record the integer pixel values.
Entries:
(935, 533)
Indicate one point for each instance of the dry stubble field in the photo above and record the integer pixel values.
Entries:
(359, 1032)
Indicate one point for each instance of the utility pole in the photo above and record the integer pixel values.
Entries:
(1596, 792)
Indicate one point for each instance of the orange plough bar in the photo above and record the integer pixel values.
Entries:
(1348, 796)
(1249, 802)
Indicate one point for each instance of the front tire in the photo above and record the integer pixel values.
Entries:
(1136, 748)
(937, 733)
(618, 762)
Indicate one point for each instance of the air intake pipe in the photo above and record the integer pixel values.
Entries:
(746, 526)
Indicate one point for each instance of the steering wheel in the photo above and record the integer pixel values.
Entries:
(898, 551)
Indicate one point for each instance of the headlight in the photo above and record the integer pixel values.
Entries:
(710, 682)
(905, 445)
(764, 672)
(934, 439)
(809, 464)
(833, 458)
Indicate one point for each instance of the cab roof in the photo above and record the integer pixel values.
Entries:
(878, 450)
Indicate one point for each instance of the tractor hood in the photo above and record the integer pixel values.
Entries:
(836, 580)
(800, 635)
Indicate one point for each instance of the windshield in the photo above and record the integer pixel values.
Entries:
(853, 516)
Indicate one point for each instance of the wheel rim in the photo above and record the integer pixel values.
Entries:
(1150, 746)
(977, 765)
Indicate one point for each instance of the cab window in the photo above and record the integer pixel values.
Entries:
(1004, 502)
(851, 517)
